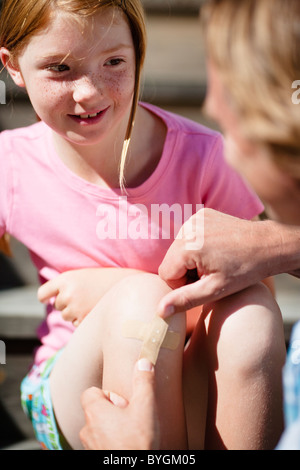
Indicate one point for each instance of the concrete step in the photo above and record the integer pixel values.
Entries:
(20, 313)
(27, 444)
(172, 7)
(175, 71)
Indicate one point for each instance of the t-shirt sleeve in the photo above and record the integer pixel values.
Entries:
(223, 189)
(5, 183)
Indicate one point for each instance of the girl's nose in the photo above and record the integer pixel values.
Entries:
(85, 89)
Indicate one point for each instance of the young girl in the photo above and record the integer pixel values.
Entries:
(81, 189)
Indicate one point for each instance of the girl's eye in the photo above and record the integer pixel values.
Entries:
(114, 62)
(58, 68)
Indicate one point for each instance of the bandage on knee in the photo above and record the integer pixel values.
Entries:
(154, 335)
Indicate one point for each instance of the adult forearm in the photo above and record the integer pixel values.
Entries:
(283, 248)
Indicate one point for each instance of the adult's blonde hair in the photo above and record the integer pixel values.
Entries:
(22, 19)
(255, 46)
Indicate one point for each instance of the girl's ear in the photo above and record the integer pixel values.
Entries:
(11, 67)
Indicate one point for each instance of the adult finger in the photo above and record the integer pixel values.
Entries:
(116, 399)
(92, 395)
(174, 267)
(95, 404)
(184, 298)
(97, 396)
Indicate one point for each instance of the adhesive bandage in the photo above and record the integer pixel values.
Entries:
(154, 335)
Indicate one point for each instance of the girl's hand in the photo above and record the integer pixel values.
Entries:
(74, 293)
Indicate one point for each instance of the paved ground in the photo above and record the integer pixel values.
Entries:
(174, 77)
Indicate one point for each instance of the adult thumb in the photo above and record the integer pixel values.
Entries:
(143, 402)
(144, 381)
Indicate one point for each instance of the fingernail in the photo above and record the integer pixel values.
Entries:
(170, 310)
(117, 400)
(145, 365)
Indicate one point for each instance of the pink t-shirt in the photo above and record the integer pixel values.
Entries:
(69, 223)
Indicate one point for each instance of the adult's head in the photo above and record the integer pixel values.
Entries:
(253, 60)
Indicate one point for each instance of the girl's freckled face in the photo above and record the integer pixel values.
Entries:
(70, 74)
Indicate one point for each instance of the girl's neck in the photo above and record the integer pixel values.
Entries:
(97, 163)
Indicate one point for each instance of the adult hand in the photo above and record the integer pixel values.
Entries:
(114, 424)
(232, 254)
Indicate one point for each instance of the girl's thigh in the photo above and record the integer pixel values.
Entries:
(99, 355)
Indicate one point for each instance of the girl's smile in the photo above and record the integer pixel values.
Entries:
(89, 118)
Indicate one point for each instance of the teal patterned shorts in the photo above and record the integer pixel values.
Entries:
(37, 404)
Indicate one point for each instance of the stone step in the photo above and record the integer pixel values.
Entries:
(20, 313)
(177, 7)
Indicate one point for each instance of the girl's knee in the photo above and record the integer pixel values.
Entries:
(136, 298)
(246, 330)
(143, 283)
(132, 305)
(139, 293)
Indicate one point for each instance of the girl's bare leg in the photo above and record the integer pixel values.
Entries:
(99, 355)
(195, 385)
(246, 353)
